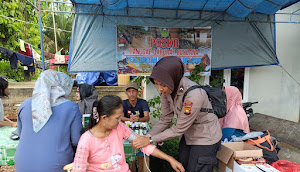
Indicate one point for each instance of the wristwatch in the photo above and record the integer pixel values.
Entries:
(150, 139)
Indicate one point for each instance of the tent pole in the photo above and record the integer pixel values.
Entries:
(274, 19)
(41, 33)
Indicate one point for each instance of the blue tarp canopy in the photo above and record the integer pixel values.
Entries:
(236, 8)
(243, 31)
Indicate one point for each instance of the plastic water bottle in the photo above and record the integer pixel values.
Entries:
(137, 128)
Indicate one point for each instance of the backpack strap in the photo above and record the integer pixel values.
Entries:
(208, 110)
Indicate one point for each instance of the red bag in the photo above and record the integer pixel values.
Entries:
(286, 166)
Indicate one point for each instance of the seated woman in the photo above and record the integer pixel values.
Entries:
(235, 123)
(49, 125)
(86, 95)
(101, 146)
(4, 93)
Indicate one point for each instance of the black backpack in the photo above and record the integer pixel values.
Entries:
(217, 98)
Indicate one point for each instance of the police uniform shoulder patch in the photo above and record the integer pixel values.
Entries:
(187, 108)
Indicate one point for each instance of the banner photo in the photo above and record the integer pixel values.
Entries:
(139, 48)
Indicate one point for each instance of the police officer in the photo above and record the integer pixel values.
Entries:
(199, 132)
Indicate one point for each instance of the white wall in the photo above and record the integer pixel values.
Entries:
(277, 93)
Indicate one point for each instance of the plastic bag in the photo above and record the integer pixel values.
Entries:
(247, 136)
(286, 166)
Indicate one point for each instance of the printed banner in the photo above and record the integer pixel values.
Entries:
(139, 48)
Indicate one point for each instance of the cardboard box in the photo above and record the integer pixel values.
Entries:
(244, 168)
(267, 168)
(231, 150)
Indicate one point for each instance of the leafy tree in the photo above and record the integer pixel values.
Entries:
(18, 20)
(12, 29)
(63, 21)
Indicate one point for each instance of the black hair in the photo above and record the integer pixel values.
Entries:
(105, 106)
(3, 86)
(92, 120)
(75, 84)
(95, 104)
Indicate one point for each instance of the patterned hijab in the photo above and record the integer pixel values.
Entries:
(51, 89)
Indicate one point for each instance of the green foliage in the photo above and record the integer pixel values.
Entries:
(155, 106)
(37, 74)
(63, 69)
(216, 79)
(62, 21)
(170, 147)
(196, 73)
(15, 74)
(12, 30)
(138, 80)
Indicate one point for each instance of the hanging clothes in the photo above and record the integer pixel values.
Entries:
(35, 55)
(28, 51)
(59, 59)
(48, 56)
(10, 54)
(26, 61)
(22, 45)
(67, 58)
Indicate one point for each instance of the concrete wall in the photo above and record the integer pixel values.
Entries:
(17, 95)
(277, 93)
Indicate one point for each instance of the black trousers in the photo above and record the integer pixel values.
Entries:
(198, 158)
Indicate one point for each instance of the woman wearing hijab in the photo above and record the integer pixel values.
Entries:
(199, 132)
(87, 95)
(235, 122)
(48, 125)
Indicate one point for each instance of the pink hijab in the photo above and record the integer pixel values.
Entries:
(236, 116)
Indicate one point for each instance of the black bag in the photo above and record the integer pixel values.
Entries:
(267, 145)
(217, 98)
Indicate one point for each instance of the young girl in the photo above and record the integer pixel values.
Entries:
(102, 145)
(4, 93)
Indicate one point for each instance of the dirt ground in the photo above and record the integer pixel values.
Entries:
(10, 168)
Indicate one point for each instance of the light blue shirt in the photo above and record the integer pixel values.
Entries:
(51, 148)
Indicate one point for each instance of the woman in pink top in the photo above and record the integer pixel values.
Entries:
(235, 122)
(101, 146)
